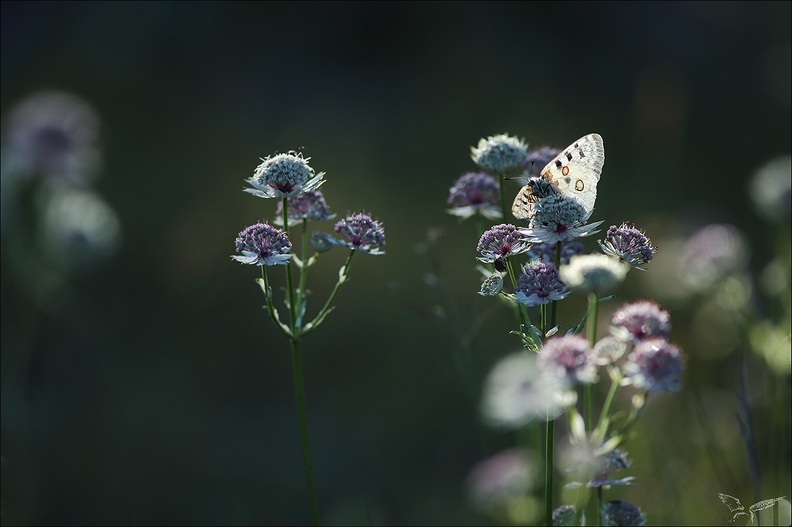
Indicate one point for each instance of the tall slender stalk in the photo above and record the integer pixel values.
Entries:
(299, 392)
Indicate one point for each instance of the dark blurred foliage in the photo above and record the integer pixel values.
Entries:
(153, 389)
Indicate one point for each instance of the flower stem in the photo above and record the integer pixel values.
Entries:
(591, 334)
(588, 393)
(549, 473)
(299, 391)
(526, 320)
(289, 284)
(504, 208)
(342, 277)
(549, 433)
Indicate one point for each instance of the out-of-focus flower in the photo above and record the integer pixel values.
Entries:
(263, 244)
(283, 176)
(499, 153)
(564, 516)
(361, 233)
(79, 228)
(609, 463)
(538, 158)
(322, 242)
(629, 245)
(546, 252)
(559, 218)
(517, 392)
(595, 273)
(619, 513)
(475, 192)
(640, 320)
(770, 189)
(492, 285)
(585, 460)
(508, 474)
(501, 242)
(310, 205)
(608, 350)
(654, 366)
(54, 135)
(710, 254)
(568, 356)
(539, 283)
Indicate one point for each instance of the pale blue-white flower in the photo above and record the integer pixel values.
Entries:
(559, 218)
(499, 153)
(283, 176)
(595, 273)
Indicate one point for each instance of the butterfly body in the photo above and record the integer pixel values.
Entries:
(574, 173)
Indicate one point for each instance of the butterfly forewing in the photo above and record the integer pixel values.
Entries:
(574, 173)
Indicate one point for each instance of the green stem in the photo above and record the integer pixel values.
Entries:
(289, 284)
(526, 320)
(549, 443)
(299, 391)
(588, 398)
(342, 277)
(303, 256)
(591, 334)
(549, 473)
(270, 309)
(504, 208)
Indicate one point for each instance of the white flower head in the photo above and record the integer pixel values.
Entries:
(283, 176)
(596, 273)
(517, 392)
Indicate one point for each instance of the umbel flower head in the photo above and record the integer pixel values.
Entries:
(539, 284)
(641, 320)
(361, 233)
(263, 244)
(654, 366)
(517, 392)
(310, 205)
(475, 192)
(570, 356)
(559, 218)
(538, 158)
(629, 245)
(506, 475)
(499, 153)
(546, 252)
(500, 242)
(564, 516)
(283, 176)
(54, 135)
(618, 513)
(594, 273)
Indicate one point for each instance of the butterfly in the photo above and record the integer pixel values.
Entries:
(573, 173)
(738, 508)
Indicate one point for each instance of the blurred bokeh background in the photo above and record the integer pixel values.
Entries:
(142, 382)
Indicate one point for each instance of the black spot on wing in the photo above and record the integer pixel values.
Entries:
(568, 155)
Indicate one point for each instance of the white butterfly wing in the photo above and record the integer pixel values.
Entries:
(576, 171)
(524, 204)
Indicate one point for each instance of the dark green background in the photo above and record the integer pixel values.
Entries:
(159, 393)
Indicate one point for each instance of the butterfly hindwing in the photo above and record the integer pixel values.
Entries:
(574, 173)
